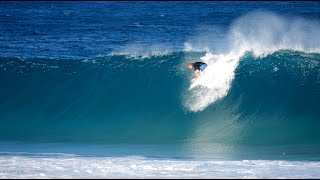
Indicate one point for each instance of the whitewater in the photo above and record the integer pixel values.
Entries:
(101, 90)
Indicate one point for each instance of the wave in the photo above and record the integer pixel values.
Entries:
(115, 99)
(267, 78)
(261, 33)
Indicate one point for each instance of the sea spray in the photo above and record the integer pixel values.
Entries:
(261, 33)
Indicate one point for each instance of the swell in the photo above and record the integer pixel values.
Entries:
(118, 99)
(109, 99)
(273, 100)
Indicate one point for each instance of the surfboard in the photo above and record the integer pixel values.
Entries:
(200, 82)
(194, 84)
(197, 83)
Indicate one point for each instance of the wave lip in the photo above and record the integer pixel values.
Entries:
(142, 51)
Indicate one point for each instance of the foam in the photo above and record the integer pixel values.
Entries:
(261, 33)
(215, 80)
(140, 167)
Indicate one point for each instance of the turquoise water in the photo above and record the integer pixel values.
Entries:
(115, 99)
(107, 82)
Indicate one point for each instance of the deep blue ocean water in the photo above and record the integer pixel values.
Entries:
(85, 80)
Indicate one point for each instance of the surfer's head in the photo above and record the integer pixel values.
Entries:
(190, 65)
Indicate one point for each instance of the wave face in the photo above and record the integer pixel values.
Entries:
(72, 75)
(120, 99)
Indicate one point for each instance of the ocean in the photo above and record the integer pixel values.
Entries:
(101, 89)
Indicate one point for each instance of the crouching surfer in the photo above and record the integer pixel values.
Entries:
(198, 67)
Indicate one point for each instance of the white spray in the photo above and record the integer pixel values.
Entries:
(261, 33)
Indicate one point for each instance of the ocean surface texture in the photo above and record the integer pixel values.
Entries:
(101, 90)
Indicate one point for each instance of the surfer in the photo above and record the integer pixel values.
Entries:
(197, 67)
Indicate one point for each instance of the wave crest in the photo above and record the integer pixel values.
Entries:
(261, 33)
